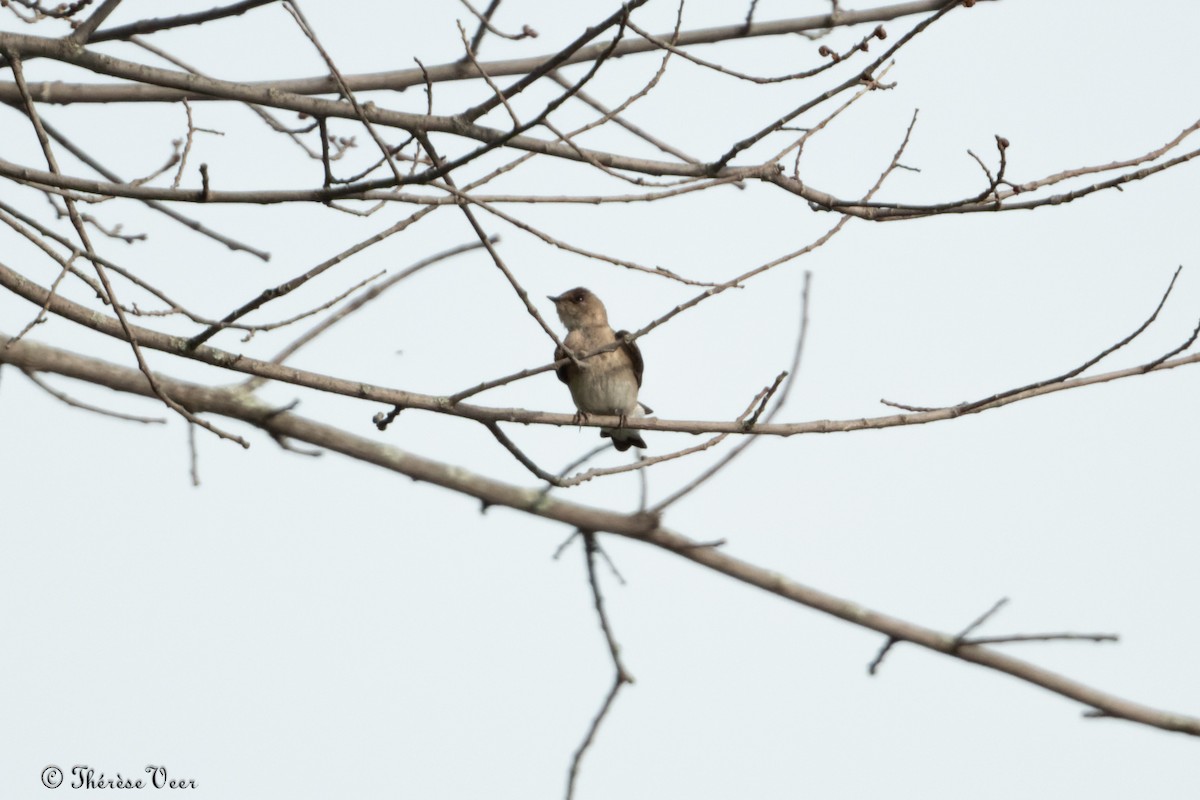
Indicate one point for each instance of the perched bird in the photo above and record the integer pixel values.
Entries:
(606, 383)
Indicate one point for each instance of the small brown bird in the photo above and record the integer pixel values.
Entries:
(606, 383)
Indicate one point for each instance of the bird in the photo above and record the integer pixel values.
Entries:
(606, 383)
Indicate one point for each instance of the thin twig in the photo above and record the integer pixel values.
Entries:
(578, 462)
(795, 367)
(486, 240)
(966, 408)
(402, 399)
(293, 8)
(570, 248)
(83, 33)
(526, 461)
(640, 463)
(1172, 353)
(33, 376)
(615, 116)
(19, 78)
(486, 26)
(704, 476)
(367, 296)
(188, 222)
(470, 55)
(555, 61)
(621, 677)
(1042, 637)
(866, 74)
(193, 456)
(290, 286)
(180, 21)
(835, 59)
(981, 619)
(877, 661)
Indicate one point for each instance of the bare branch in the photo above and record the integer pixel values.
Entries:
(487, 242)
(83, 33)
(127, 329)
(180, 21)
(1043, 637)
(622, 676)
(65, 398)
(293, 8)
(108, 175)
(982, 618)
(239, 405)
(517, 453)
(790, 375)
(368, 296)
(966, 408)
(290, 286)
(175, 345)
(486, 26)
(456, 71)
(557, 60)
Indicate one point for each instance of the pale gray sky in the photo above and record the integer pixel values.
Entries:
(307, 628)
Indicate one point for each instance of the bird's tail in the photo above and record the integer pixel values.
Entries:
(624, 438)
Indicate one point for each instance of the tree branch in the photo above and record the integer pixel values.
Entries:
(177, 345)
(236, 404)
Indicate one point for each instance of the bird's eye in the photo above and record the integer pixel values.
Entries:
(578, 298)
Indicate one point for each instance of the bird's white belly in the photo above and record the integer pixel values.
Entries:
(605, 389)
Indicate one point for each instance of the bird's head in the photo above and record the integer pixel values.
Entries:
(579, 308)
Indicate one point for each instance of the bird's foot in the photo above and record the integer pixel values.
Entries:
(579, 418)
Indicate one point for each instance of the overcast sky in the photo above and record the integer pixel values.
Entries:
(307, 628)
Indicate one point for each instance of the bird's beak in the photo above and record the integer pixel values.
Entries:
(552, 299)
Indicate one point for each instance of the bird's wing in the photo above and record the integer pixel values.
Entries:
(561, 372)
(635, 356)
